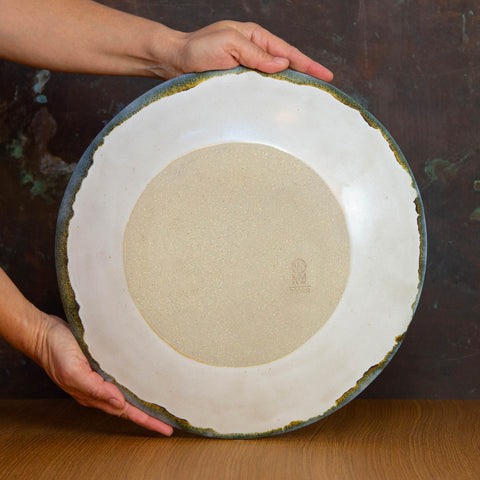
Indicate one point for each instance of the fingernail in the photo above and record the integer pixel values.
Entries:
(115, 403)
(279, 60)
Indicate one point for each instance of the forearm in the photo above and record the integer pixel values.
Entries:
(86, 37)
(21, 323)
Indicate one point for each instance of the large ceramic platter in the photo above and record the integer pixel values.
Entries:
(241, 253)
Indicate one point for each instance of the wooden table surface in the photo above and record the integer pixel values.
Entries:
(367, 439)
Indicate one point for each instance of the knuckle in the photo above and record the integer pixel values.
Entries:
(224, 24)
(251, 25)
(231, 35)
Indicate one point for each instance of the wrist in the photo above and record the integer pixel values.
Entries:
(163, 49)
(21, 323)
(29, 332)
(36, 346)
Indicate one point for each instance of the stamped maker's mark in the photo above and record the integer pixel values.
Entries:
(299, 277)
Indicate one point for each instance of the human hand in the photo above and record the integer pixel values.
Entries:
(227, 44)
(60, 355)
(87, 37)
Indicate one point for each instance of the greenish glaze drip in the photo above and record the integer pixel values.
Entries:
(422, 264)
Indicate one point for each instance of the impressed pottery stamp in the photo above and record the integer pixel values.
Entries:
(299, 277)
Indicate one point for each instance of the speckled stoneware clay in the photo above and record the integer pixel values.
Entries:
(255, 241)
(241, 253)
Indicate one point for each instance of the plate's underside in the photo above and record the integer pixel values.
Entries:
(241, 254)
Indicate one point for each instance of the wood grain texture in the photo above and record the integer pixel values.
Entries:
(367, 439)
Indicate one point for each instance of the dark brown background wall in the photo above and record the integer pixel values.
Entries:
(415, 64)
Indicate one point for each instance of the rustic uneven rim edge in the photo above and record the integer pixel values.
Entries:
(65, 214)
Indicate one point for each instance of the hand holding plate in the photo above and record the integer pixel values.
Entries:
(61, 357)
(228, 44)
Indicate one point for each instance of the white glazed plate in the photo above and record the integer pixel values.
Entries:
(252, 392)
